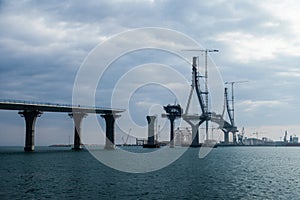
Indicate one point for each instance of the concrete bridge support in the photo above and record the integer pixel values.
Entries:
(30, 119)
(151, 121)
(195, 135)
(226, 137)
(110, 130)
(77, 118)
(234, 138)
(172, 119)
(195, 132)
(194, 122)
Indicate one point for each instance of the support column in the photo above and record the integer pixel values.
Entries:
(234, 137)
(195, 135)
(151, 120)
(110, 130)
(226, 137)
(77, 118)
(172, 119)
(30, 119)
(173, 112)
(195, 122)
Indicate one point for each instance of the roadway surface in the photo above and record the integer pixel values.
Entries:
(52, 107)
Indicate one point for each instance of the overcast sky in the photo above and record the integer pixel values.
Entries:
(43, 43)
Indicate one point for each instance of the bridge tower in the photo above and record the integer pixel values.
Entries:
(196, 120)
(230, 111)
(231, 119)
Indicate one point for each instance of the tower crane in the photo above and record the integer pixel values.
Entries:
(125, 141)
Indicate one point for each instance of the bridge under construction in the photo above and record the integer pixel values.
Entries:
(195, 120)
(31, 110)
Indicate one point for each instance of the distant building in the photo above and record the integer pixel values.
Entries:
(256, 142)
(295, 139)
(253, 141)
(183, 137)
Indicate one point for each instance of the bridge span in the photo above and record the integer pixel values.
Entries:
(31, 110)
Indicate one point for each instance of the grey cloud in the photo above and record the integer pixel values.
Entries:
(42, 44)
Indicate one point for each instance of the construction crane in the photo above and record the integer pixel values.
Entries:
(125, 141)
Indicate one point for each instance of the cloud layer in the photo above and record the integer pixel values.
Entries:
(43, 43)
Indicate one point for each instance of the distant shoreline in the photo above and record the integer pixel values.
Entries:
(60, 145)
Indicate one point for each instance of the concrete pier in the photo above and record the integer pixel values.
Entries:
(77, 118)
(110, 130)
(172, 119)
(234, 138)
(30, 119)
(194, 122)
(173, 112)
(151, 121)
(226, 137)
(195, 135)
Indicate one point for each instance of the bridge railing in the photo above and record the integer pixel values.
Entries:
(37, 103)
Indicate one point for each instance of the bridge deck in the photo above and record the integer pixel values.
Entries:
(51, 107)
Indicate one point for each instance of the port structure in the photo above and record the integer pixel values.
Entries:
(32, 110)
(195, 120)
(173, 112)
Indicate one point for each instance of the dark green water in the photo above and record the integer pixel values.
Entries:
(226, 173)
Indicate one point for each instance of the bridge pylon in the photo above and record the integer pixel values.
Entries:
(195, 120)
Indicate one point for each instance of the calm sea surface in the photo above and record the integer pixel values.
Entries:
(226, 173)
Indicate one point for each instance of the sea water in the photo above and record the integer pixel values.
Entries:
(225, 173)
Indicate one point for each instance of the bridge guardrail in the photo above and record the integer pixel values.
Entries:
(54, 104)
